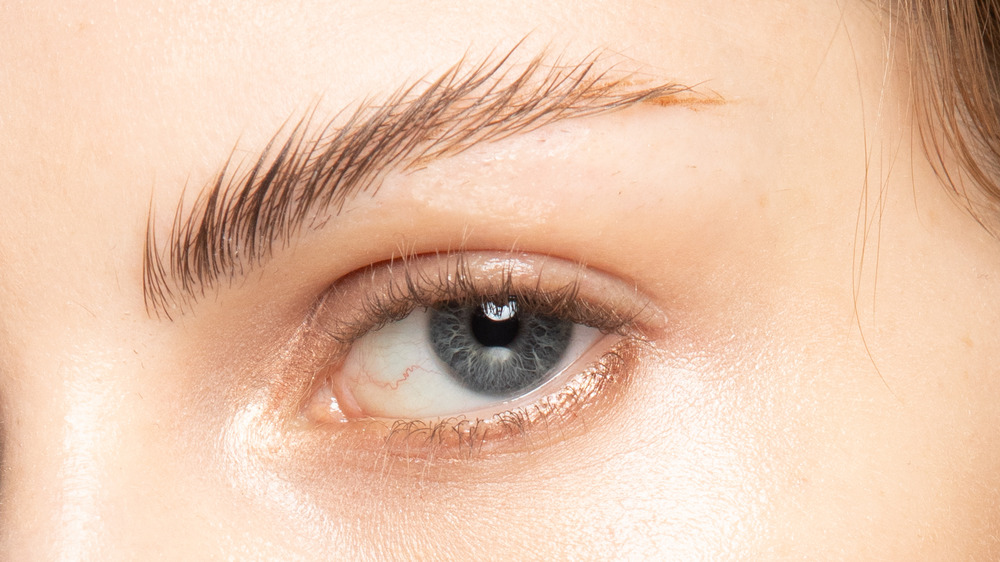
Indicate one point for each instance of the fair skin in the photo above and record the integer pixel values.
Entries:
(816, 376)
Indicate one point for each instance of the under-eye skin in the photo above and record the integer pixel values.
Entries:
(472, 351)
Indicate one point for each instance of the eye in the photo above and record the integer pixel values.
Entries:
(460, 358)
(453, 343)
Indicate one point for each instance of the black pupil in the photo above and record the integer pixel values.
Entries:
(496, 325)
(498, 347)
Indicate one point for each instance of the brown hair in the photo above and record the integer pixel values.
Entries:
(953, 48)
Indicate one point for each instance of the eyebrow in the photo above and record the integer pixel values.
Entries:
(309, 171)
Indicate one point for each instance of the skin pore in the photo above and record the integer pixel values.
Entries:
(802, 318)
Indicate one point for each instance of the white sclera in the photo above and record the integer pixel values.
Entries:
(394, 373)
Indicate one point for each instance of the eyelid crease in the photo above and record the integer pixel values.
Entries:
(370, 298)
(296, 183)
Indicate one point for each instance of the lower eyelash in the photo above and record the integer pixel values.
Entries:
(555, 417)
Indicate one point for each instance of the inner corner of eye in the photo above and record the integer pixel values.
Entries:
(458, 358)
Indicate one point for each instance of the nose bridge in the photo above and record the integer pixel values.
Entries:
(87, 453)
(61, 458)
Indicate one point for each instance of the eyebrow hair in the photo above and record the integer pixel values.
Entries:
(234, 224)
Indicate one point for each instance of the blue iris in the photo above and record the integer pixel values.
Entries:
(498, 349)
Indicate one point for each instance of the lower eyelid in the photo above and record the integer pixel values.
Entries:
(587, 397)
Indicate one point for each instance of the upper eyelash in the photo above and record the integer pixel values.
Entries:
(459, 284)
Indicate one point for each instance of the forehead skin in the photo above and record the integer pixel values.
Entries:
(826, 390)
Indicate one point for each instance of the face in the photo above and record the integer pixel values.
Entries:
(659, 280)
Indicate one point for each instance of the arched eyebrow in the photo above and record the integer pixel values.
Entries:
(309, 170)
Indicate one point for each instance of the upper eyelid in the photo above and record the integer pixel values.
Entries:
(232, 226)
(391, 290)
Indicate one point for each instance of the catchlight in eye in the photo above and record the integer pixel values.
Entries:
(498, 349)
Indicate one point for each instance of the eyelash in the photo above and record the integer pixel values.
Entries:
(460, 437)
(371, 298)
(455, 282)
